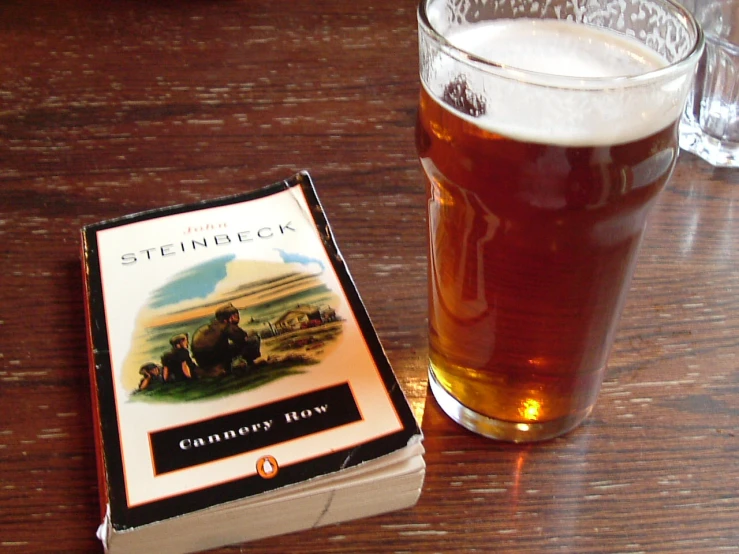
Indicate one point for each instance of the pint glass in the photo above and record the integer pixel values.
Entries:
(546, 130)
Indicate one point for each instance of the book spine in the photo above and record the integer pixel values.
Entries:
(95, 397)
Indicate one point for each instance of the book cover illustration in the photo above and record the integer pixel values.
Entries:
(231, 354)
(229, 325)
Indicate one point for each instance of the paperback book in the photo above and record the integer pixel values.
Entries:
(239, 388)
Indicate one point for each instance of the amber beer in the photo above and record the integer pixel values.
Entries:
(534, 228)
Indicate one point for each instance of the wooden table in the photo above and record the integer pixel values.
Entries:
(109, 108)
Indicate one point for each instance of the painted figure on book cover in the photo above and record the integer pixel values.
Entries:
(221, 341)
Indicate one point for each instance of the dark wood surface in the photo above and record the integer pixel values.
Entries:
(108, 108)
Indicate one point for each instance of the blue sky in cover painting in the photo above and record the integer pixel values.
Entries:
(293, 258)
(197, 282)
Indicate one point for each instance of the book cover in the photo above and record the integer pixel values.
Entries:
(231, 356)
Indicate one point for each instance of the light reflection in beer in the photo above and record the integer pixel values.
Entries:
(462, 283)
(530, 409)
(441, 133)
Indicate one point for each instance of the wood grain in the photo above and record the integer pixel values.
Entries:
(116, 107)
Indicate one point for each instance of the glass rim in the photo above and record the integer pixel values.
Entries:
(565, 81)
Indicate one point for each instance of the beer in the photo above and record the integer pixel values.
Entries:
(537, 203)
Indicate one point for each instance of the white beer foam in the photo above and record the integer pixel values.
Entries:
(578, 113)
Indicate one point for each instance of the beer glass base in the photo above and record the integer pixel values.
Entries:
(502, 430)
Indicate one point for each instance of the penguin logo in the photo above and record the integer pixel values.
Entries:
(267, 467)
